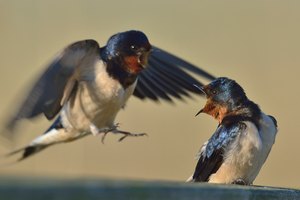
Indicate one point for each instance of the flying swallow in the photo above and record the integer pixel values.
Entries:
(243, 140)
(86, 85)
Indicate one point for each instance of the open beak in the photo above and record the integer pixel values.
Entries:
(200, 111)
(202, 89)
(143, 57)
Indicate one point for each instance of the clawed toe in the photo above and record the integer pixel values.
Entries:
(103, 137)
(239, 182)
(113, 129)
(126, 134)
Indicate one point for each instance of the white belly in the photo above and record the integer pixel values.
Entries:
(97, 101)
(245, 157)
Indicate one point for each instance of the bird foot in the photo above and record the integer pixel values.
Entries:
(114, 129)
(126, 134)
(239, 182)
(96, 132)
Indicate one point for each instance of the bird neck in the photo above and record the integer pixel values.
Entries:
(216, 110)
(117, 68)
(123, 76)
(246, 111)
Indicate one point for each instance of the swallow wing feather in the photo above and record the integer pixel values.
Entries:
(212, 153)
(56, 84)
(167, 76)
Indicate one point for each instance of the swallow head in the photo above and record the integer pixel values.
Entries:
(132, 48)
(223, 96)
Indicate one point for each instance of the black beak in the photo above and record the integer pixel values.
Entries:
(200, 89)
(143, 56)
(200, 111)
(203, 91)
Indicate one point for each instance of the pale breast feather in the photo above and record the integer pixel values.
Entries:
(109, 89)
(212, 154)
(97, 100)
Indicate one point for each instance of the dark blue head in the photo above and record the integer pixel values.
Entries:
(128, 43)
(224, 91)
(223, 96)
(129, 50)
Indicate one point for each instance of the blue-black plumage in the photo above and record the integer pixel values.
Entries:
(86, 85)
(242, 141)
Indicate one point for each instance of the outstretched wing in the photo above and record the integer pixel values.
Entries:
(59, 80)
(167, 76)
(211, 154)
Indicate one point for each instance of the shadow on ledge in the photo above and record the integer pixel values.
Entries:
(120, 189)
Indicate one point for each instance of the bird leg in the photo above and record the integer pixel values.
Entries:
(114, 129)
(96, 131)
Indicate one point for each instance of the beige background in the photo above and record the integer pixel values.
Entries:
(254, 42)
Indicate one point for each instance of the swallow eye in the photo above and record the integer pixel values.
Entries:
(214, 92)
(133, 47)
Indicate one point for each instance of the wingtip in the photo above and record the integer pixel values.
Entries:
(182, 63)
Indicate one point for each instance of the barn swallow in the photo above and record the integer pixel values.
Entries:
(243, 140)
(86, 85)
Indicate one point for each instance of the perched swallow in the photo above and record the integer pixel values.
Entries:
(243, 140)
(85, 86)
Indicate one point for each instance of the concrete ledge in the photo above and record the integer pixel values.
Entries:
(119, 189)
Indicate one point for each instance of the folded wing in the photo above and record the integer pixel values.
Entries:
(212, 153)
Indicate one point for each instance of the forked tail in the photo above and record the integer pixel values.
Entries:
(27, 151)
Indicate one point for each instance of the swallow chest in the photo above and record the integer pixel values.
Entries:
(97, 100)
(247, 154)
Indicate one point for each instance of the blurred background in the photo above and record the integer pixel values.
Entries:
(255, 42)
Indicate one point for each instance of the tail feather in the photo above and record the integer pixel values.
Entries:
(27, 151)
(15, 152)
(31, 150)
